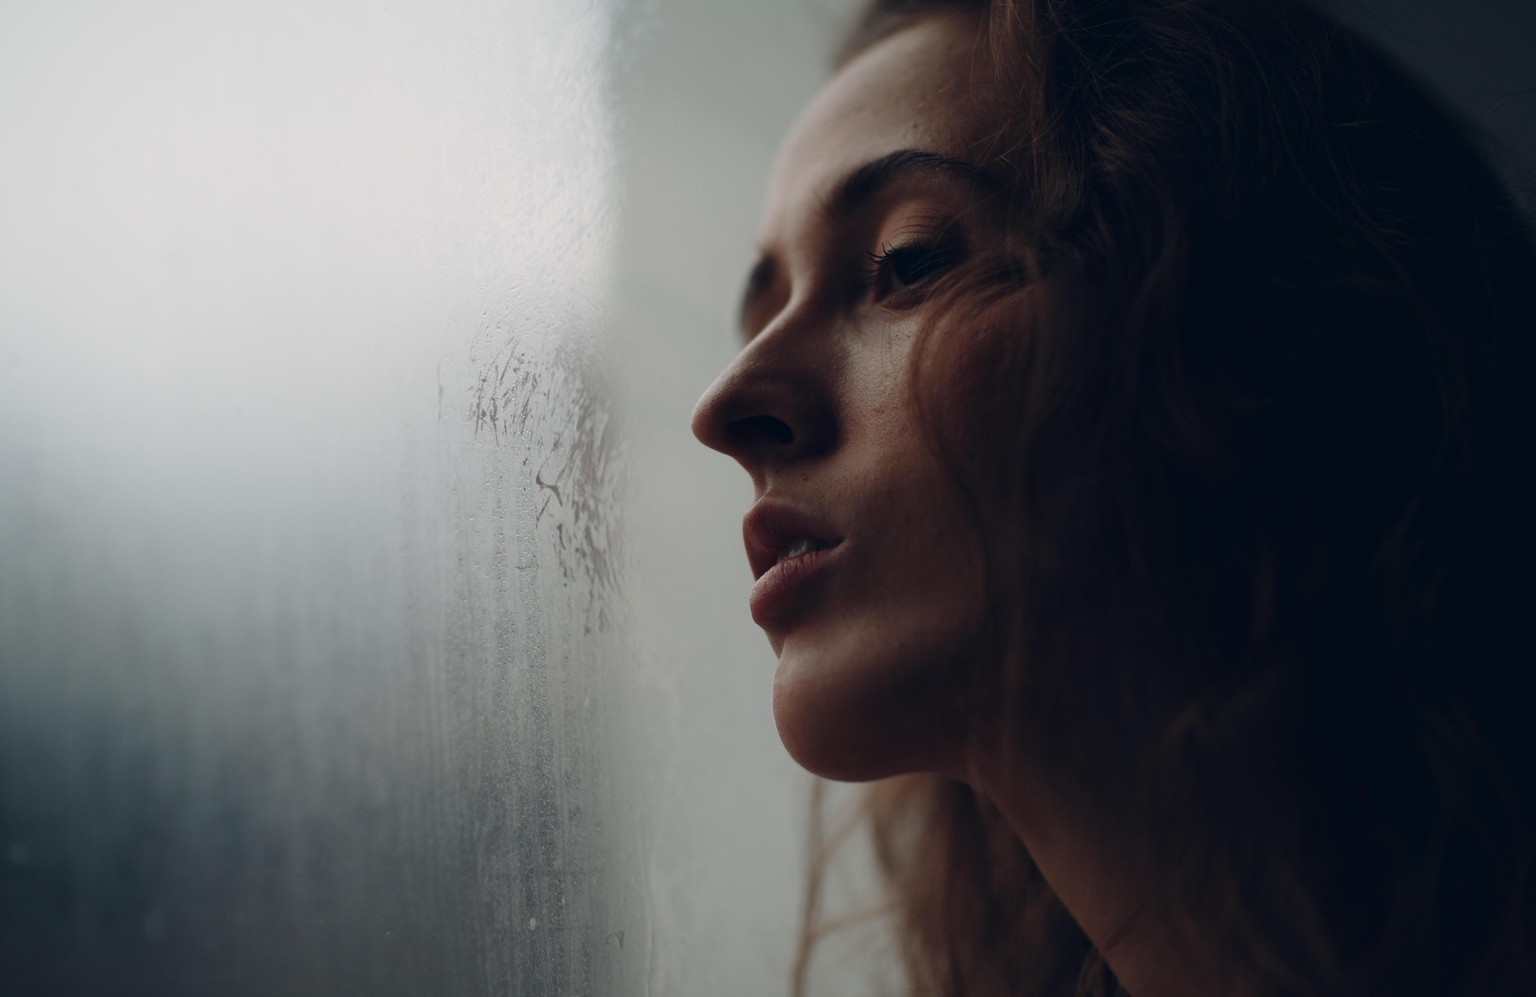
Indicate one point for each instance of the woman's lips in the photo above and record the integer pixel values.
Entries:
(777, 591)
(774, 527)
(787, 546)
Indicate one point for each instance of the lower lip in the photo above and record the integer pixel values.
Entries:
(775, 592)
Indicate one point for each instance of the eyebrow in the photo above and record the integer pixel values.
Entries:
(859, 188)
(864, 183)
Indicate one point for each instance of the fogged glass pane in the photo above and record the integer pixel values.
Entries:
(307, 564)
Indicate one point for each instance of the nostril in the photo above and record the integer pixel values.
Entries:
(755, 432)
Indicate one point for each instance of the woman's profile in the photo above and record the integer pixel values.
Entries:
(1139, 396)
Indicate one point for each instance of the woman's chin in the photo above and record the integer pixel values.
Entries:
(826, 746)
(841, 725)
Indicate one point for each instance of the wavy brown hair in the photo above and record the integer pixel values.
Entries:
(1257, 483)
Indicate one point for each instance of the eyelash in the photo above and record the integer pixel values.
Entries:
(931, 259)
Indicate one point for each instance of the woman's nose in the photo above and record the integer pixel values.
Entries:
(766, 414)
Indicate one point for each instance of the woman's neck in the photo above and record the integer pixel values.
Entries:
(1149, 955)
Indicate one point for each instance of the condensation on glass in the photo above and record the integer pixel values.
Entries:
(309, 592)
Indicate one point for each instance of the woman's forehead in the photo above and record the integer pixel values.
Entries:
(913, 90)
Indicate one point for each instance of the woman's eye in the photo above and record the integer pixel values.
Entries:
(895, 269)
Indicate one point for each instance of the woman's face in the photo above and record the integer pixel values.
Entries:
(868, 569)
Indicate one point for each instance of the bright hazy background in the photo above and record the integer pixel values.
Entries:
(369, 619)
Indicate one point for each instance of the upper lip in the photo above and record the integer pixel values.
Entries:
(772, 525)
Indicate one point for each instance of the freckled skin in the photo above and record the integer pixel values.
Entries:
(878, 665)
(876, 661)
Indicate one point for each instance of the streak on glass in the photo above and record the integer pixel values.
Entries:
(308, 584)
